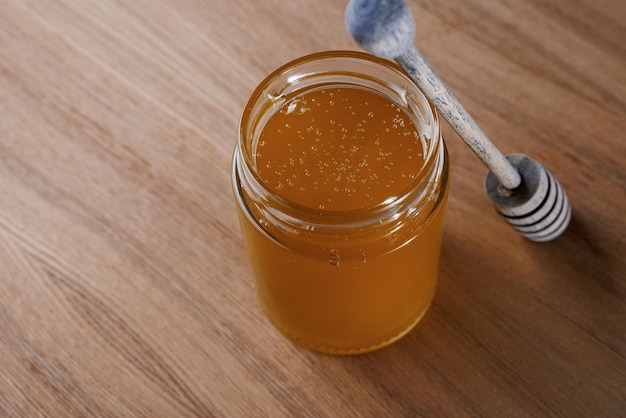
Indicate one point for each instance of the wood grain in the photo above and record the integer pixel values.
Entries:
(124, 286)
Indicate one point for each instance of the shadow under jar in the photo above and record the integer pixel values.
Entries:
(340, 176)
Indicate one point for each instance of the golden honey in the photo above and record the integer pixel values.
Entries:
(340, 175)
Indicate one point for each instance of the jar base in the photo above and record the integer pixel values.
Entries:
(353, 350)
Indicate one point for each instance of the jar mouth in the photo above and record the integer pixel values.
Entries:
(335, 68)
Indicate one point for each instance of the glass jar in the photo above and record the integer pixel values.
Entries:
(340, 176)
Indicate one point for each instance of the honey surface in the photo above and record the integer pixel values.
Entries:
(339, 148)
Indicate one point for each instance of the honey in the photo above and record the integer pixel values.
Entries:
(339, 148)
(340, 176)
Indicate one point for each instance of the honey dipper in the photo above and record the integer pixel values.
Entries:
(522, 190)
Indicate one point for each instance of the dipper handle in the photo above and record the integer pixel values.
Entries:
(415, 65)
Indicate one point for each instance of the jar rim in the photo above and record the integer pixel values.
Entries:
(352, 66)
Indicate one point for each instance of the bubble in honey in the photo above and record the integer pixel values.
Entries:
(333, 258)
(297, 107)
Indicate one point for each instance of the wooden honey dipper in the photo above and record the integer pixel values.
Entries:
(522, 191)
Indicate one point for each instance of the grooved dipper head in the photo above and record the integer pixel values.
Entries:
(382, 27)
(538, 209)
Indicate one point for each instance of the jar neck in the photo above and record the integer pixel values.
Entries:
(278, 216)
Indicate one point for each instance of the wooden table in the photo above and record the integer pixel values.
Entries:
(124, 286)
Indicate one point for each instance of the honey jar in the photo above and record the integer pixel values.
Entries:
(340, 176)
